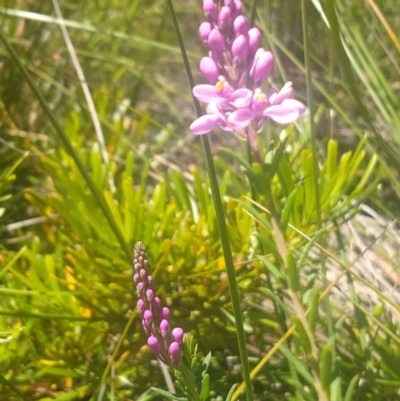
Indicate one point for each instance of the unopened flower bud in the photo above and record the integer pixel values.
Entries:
(241, 25)
(240, 48)
(254, 36)
(142, 273)
(210, 10)
(165, 313)
(177, 334)
(152, 342)
(237, 8)
(216, 41)
(136, 278)
(209, 69)
(139, 289)
(164, 328)
(225, 17)
(141, 306)
(150, 281)
(174, 351)
(263, 65)
(147, 317)
(204, 31)
(149, 295)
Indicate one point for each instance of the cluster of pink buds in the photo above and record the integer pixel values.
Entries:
(235, 68)
(164, 342)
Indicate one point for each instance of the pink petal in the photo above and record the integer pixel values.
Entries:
(285, 93)
(205, 93)
(241, 97)
(281, 114)
(204, 124)
(240, 118)
(295, 104)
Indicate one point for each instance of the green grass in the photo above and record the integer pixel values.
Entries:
(317, 324)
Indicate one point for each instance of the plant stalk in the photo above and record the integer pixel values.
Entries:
(229, 265)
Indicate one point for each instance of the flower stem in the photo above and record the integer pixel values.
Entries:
(223, 231)
(230, 269)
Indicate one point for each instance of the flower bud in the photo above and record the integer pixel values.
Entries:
(152, 342)
(165, 313)
(240, 48)
(177, 334)
(149, 295)
(204, 31)
(209, 69)
(150, 282)
(237, 8)
(142, 273)
(216, 41)
(136, 278)
(241, 25)
(262, 67)
(147, 317)
(139, 289)
(164, 328)
(141, 306)
(225, 17)
(254, 36)
(174, 351)
(210, 11)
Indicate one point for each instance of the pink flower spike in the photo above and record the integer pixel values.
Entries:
(209, 69)
(281, 114)
(216, 41)
(174, 351)
(164, 328)
(254, 36)
(241, 25)
(177, 334)
(204, 124)
(204, 31)
(152, 342)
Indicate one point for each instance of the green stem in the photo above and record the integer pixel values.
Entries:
(70, 149)
(223, 231)
(307, 65)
